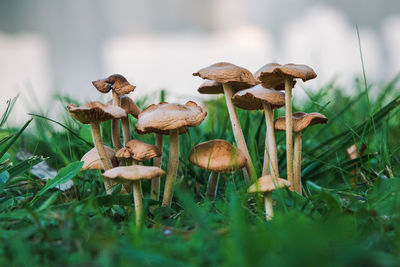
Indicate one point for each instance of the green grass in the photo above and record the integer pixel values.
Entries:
(341, 221)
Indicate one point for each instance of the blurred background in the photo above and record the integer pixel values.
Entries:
(49, 47)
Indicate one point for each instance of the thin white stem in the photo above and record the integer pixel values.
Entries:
(137, 197)
(269, 209)
(155, 183)
(266, 163)
(297, 162)
(238, 133)
(269, 119)
(289, 128)
(106, 162)
(115, 125)
(173, 163)
(212, 185)
(126, 130)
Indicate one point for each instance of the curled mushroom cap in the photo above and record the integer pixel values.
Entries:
(224, 72)
(92, 161)
(272, 75)
(135, 172)
(138, 150)
(116, 82)
(301, 121)
(268, 184)
(217, 156)
(95, 112)
(128, 105)
(253, 98)
(163, 117)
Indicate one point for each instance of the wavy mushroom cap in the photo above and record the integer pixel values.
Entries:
(224, 72)
(134, 173)
(164, 117)
(253, 98)
(301, 121)
(128, 105)
(138, 150)
(217, 156)
(95, 112)
(267, 184)
(273, 75)
(92, 161)
(118, 83)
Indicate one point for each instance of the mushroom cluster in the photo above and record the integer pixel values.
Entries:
(123, 163)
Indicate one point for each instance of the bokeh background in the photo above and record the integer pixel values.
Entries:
(49, 47)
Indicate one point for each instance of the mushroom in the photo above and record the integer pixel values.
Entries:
(272, 76)
(216, 156)
(91, 160)
(301, 121)
(138, 151)
(227, 78)
(135, 174)
(119, 86)
(130, 108)
(256, 98)
(94, 113)
(172, 119)
(267, 184)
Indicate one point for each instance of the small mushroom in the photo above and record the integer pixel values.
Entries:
(301, 121)
(216, 156)
(267, 184)
(134, 174)
(119, 86)
(272, 76)
(91, 160)
(138, 151)
(232, 78)
(94, 113)
(172, 119)
(258, 97)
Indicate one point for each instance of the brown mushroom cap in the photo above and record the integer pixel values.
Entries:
(301, 121)
(267, 184)
(138, 150)
(118, 83)
(128, 105)
(224, 72)
(134, 173)
(95, 112)
(217, 156)
(253, 98)
(92, 161)
(272, 75)
(163, 117)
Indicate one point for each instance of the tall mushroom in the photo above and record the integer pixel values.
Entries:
(256, 98)
(172, 119)
(119, 86)
(94, 113)
(216, 156)
(267, 184)
(272, 76)
(130, 107)
(301, 121)
(227, 79)
(135, 174)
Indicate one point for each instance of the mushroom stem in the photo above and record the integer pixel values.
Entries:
(172, 167)
(126, 130)
(212, 185)
(269, 209)
(266, 163)
(270, 138)
(115, 124)
(106, 162)
(155, 183)
(238, 133)
(289, 128)
(138, 199)
(297, 162)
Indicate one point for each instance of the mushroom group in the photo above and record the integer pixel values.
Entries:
(128, 159)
